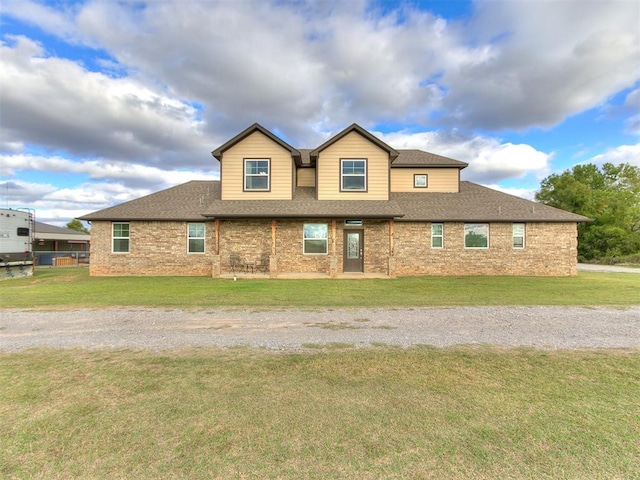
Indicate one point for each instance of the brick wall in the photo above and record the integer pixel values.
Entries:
(155, 248)
(160, 248)
(550, 249)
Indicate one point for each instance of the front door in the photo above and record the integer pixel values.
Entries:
(353, 251)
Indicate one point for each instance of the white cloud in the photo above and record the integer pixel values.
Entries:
(490, 161)
(543, 71)
(527, 193)
(298, 65)
(192, 74)
(128, 174)
(623, 154)
(58, 104)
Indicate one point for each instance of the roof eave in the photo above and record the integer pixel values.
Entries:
(256, 127)
(354, 127)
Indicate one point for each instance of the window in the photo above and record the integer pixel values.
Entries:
(420, 181)
(196, 237)
(120, 238)
(256, 175)
(315, 238)
(437, 237)
(476, 235)
(22, 232)
(518, 235)
(353, 175)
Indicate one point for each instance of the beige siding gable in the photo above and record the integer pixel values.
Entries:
(353, 146)
(256, 146)
(443, 180)
(306, 177)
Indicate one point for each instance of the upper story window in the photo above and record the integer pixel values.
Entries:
(420, 181)
(353, 175)
(256, 174)
(120, 237)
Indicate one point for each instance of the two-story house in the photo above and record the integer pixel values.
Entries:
(352, 206)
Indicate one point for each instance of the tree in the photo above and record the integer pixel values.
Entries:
(610, 196)
(77, 225)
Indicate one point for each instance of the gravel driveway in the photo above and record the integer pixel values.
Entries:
(161, 329)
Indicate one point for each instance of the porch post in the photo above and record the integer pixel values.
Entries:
(217, 236)
(333, 259)
(392, 258)
(216, 267)
(273, 259)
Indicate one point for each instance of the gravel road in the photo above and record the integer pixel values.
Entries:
(162, 329)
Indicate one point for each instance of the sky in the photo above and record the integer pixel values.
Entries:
(103, 101)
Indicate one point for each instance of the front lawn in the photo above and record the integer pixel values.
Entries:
(74, 288)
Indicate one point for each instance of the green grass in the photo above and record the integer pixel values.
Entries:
(74, 288)
(473, 413)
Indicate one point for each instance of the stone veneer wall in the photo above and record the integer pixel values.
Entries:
(550, 250)
(160, 248)
(250, 238)
(155, 248)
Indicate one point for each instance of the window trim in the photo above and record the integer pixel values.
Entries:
(114, 238)
(245, 175)
(304, 239)
(203, 238)
(522, 235)
(419, 175)
(440, 236)
(364, 175)
(466, 225)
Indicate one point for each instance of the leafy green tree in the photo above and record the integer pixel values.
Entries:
(610, 196)
(77, 225)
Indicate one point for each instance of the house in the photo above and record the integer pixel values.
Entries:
(352, 206)
(52, 243)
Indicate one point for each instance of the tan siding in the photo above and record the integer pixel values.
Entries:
(439, 179)
(306, 177)
(256, 145)
(353, 146)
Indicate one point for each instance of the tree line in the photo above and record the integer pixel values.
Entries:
(610, 196)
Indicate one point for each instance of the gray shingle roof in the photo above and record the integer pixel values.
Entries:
(477, 203)
(183, 202)
(416, 158)
(195, 200)
(303, 205)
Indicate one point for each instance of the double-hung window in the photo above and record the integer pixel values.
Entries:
(315, 237)
(518, 235)
(256, 175)
(195, 232)
(437, 235)
(353, 175)
(476, 235)
(120, 237)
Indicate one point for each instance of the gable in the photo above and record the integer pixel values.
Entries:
(353, 146)
(253, 147)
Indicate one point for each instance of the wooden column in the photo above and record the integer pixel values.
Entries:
(391, 233)
(273, 237)
(333, 237)
(217, 237)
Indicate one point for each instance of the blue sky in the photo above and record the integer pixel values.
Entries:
(104, 101)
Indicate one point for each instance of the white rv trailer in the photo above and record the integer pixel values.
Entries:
(17, 231)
